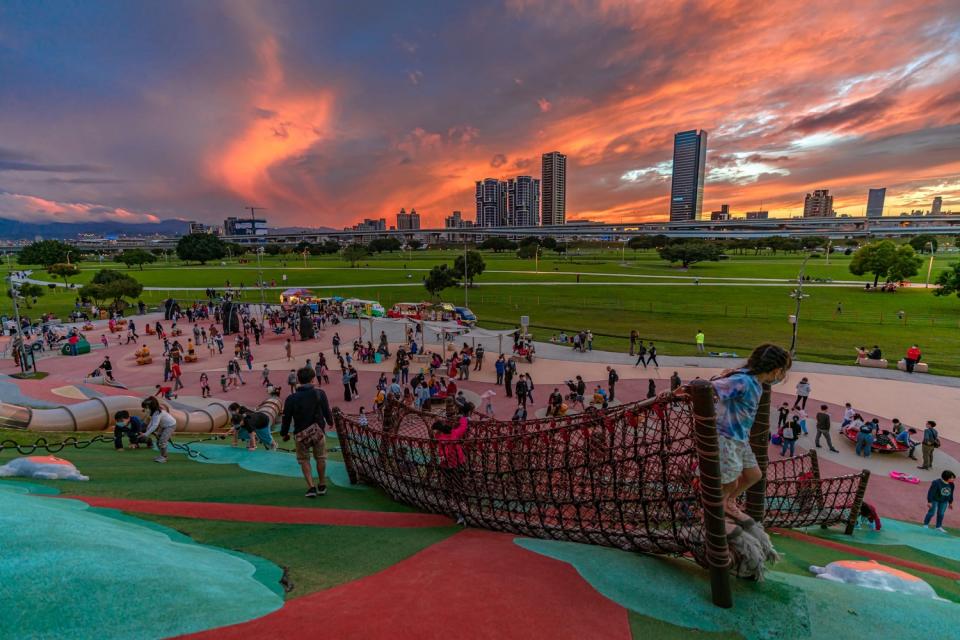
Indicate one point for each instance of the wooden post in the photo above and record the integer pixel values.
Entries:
(711, 493)
(857, 502)
(759, 441)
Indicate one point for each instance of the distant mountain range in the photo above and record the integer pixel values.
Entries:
(18, 230)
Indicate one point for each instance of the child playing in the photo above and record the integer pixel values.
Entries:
(223, 382)
(161, 422)
(362, 418)
(204, 385)
(939, 499)
(738, 394)
(126, 425)
(789, 433)
(166, 391)
(802, 419)
(265, 376)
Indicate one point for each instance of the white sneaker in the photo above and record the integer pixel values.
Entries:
(941, 530)
(160, 459)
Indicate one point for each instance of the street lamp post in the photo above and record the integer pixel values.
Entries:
(929, 266)
(798, 295)
(263, 299)
(466, 273)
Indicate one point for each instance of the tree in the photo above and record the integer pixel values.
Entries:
(327, 248)
(527, 251)
(641, 242)
(379, 245)
(475, 266)
(63, 270)
(948, 282)
(549, 243)
(26, 290)
(919, 243)
(137, 257)
(498, 245)
(688, 253)
(440, 277)
(47, 252)
(354, 253)
(112, 285)
(884, 259)
(527, 241)
(273, 249)
(560, 248)
(414, 244)
(200, 247)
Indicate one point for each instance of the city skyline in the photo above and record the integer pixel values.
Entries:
(138, 111)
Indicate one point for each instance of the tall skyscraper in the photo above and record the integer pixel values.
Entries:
(818, 204)
(689, 164)
(553, 173)
(523, 202)
(875, 199)
(937, 205)
(408, 221)
(491, 198)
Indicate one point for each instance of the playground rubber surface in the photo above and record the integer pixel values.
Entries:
(262, 513)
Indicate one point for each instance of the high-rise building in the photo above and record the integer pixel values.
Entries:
(937, 206)
(722, 214)
(818, 204)
(875, 199)
(408, 221)
(491, 198)
(553, 174)
(758, 215)
(689, 164)
(455, 221)
(523, 202)
(244, 226)
(196, 227)
(369, 224)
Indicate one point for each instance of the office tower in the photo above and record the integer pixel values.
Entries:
(553, 174)
(245, 226)
(523, 202)
(875, 199)
(818, 204)
(453, 221)
(722, 214)
(689, 163)
(937, 205)
(491, 196)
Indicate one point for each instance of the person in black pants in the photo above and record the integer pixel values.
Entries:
(508, 378)
(782, 414)
(522, 391)
(641, 355)
(652, 356)
(612, 378)
(126, 425)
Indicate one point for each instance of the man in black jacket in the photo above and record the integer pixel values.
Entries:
(309, 412)
(612, 378)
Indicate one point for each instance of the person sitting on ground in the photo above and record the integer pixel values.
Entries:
(875, 353)
(861, 353)
(126, 425)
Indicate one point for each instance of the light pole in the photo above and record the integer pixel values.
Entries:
(929, 266)
(263, 299)
(304, 258)
(798, 295)
(466, 273)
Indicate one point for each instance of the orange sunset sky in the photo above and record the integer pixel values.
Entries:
(326, 113)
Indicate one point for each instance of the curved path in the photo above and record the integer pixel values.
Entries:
(265, 513)
(474, 584)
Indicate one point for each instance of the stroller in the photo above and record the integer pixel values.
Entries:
(572, 386)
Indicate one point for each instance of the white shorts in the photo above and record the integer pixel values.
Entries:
(735, 456)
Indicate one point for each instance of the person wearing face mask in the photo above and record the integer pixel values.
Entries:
(126, 425)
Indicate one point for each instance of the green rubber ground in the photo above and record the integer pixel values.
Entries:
(134, 579)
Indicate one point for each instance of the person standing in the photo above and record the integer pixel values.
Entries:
(633, 341)
(288, 348)
(701, 338)
(292, 380)
(478, 355)
(675, 381)
(354, 381)
(500, 367)
(823, 428)
(336, 343)
(782, 413)
(939, 499)
(865, 439)
(522, 390)
(929, 443)
(309, 412)
(612, 378)
(265, 376)
(912, 358)
(529, 386)
(510, 368)
(177, 375)
(803, 392)
(789, 433)
(581, 392)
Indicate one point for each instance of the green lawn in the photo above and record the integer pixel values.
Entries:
(735, 315)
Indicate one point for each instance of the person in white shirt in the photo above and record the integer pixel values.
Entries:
(160, 421)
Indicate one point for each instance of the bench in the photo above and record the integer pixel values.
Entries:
(876, 364)
(920, 367)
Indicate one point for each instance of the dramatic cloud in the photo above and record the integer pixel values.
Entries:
(33, 209)
(326, 113)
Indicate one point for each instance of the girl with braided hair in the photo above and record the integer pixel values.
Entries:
(738, 395)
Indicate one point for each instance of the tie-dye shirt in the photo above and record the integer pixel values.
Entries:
(737, 398)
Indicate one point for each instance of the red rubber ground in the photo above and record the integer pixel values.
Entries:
(265, 513)
(473, 585)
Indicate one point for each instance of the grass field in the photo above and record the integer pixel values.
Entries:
(740, 301)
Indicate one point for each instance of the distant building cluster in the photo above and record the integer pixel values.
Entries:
(369, 224)
(456, 221)
(408, 221)
(516, 202)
